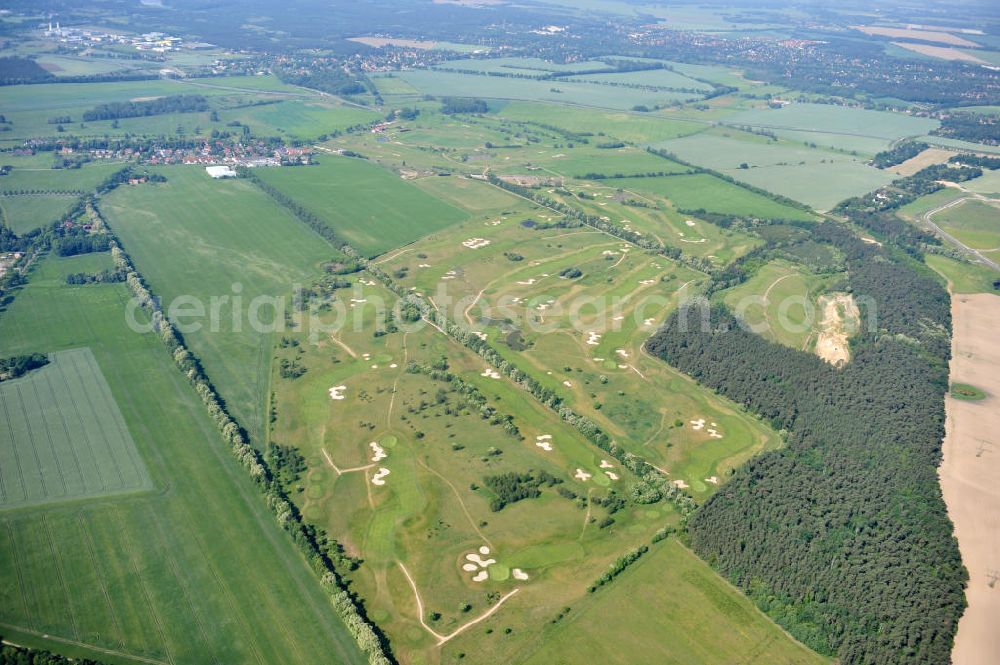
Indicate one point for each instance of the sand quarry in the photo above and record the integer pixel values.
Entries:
(970, 473)
(840, 319)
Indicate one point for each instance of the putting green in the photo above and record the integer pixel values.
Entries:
(499, 572)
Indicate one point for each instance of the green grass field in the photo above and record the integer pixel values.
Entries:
(974, 223)
(704, 191)
(963, 277)
(371, 208)
(634, 127)
(64, 436)
(197, 570)
(813, 176)
(195, 237)
(82, 179)
(667, 608)
(24, 213)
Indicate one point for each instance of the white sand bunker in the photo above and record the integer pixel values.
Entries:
(476, 243)
(680, 484)
(714, 480)
(689, 222)
(480, 335)
(374, 366)
(582, 475)
(568, 384)
(622, 366)
(611, 474)
(647, 282)
(519, 574)
(544, 441)
(528, 282)
(366, 356)
(608, 252)
(605, 464)
(393, 366)
(649, 322)
(484, 550)
(470, 567)
(715, 434)
(618, 318)
(358, 301)
(424, 265)
(598, 360)
(593, 338)
(622, 352)
(698, 424)
(491, 373)
(378, 452)
(545, 305)
(477, 562)
(337, 392)
(366, 282)
(379, 477)
(481, 576)
(451, 274)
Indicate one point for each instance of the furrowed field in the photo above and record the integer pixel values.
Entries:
(195, 568)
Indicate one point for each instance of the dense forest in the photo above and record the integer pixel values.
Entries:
(973, 127)
(15, 70)
(17, 366)
(11, 654)
(139, 109)
(898, 154)
(842, 536)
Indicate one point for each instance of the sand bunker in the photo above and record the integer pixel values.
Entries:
(451, 274)
(475, 243)
(393, 366)
(608, 252)
(593, 338)
(470, 567)
(378, 452)
(519, 574)
(680, 484)
(484, 550)
(491, 373)
(649, 322)
(714, 433)
(544, 441)
(605, 464)
(622, 352)
(481, 576)
(689, 222)
(379, 477)
(480, 561)
(568, 384)
(582, 475)
(424, 265)
(612, 475)
(698, 424)
(647, 282)
(714, 480)
(623, 367)
(528, 282)
(337, 392)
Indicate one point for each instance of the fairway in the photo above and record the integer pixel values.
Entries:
(223, 241)
(371, 208)
(64, 437)
(974, 223)
(667, 608)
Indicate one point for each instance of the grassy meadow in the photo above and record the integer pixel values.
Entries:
(195, 569)
(199, 241)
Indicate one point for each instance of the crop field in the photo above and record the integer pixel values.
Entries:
(566, 92)
(198, 569)
(816, 177)
(529, 66)
(210, 241)
(840, 120)
(44, 180)
(371, 208)
(22, 213)
(706, 192)
(684, 602)
(974, 223)
(638, 128)
(65, 437)
(988, 184)
(303, 119)
(780, 303)
(653, 78)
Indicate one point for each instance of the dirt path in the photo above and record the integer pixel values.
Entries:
(970, 473)
(468, 515)
(344, 346)
(471, 305)
(340, 471)
(395, 384)
(774, 284)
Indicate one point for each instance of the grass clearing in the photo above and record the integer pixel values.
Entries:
(974, 223)
(963, 277)
(23, 213)
(65, 437)
(372, 208)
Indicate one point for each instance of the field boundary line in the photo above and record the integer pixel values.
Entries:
(84, 645)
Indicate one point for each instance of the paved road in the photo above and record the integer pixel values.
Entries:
(975, 254)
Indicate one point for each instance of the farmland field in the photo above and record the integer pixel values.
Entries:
(371, 208)
(64, 436)
(22, 213)
(974, 223)
(198, 568)
(813, 176)
(202, 241)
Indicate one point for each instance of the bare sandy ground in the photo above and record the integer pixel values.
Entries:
(924, 159)
(923, 35)
(840, 317)
(970, 474)
(943, 52)
(379, 42)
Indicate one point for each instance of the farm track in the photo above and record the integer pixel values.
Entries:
(84, 645)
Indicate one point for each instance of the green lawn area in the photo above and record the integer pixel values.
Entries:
(196, 571)
(964, 277)
(666, 608)
(24, 213)
(704, 191)
(974, 223)
(371, 208)
(634, 127)
(195, 237)
(82, 179)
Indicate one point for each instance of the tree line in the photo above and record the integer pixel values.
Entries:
(160, 106)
